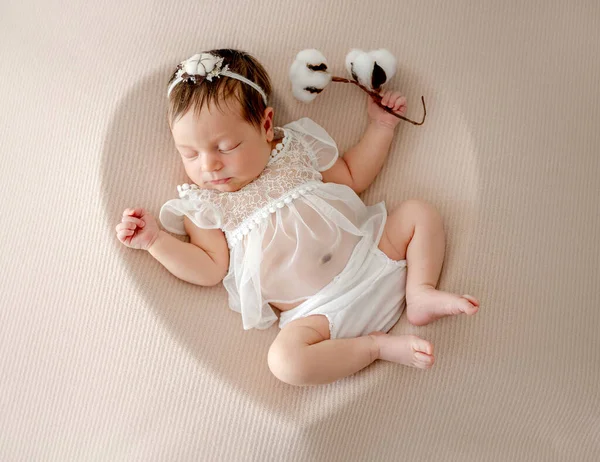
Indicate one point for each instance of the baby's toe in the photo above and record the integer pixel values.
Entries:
(472, 299)
(469, 305)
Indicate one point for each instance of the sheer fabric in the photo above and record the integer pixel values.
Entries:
(289, 234)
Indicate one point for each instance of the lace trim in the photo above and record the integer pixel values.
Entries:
(400, 263)
(260, 215)
(185, 188)
(279, 147)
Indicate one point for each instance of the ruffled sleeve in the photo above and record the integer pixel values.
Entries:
(194, 203)
(324, 151)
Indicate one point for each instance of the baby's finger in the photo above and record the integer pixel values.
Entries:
(127, 225)
(133, 212)
(401, 101)
(134, 220)
(386, 98)
(122, 237)
(392, 98)
(400, 108)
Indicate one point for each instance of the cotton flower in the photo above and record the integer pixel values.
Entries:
(371, 69)
(350, 58)
(309, 74)
(202, 64)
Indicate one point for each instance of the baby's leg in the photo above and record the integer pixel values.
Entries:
(415, 232)
(304, 354)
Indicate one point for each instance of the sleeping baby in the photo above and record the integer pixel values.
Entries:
(274, 214)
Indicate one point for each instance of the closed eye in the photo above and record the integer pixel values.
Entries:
(229, 150)
(194, 155)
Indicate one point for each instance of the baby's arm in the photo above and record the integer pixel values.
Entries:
(204, 261)
(360, 165)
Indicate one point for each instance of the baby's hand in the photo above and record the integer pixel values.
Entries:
(138, 229)
(392, 100)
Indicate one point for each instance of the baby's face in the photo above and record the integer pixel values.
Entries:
(219, 145)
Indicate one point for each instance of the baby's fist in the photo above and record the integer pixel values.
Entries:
(392, 100)
(138, 229)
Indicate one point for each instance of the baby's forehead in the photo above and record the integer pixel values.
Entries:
(208, 124)
(226, 111)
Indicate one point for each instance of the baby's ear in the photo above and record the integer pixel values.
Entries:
(268, 123)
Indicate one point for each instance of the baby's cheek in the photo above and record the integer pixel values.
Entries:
(251, 166)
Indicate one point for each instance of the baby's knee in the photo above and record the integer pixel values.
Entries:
(288, 363)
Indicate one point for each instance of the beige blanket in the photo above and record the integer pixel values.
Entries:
(104, 355)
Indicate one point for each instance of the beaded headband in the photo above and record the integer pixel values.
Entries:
(206, 66)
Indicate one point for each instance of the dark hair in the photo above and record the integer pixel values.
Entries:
(223, 88)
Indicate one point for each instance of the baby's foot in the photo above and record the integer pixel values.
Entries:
(427, 304)
(409, 350)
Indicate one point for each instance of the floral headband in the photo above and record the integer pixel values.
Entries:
(206, 66)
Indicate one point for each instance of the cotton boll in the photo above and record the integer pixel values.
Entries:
(303, 76)
(309, 63)
(299, 73)
(350, 57)
(319, 79)
(310, 68)
(307, 83)
(311, 56)
(303, 95)
(386, 61)
(363, 68)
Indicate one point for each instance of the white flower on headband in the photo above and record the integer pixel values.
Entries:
(204, 65)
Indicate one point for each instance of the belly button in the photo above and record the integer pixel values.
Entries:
(326, 258)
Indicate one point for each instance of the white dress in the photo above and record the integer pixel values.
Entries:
(289, 234)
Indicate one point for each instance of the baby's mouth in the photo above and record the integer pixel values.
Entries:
(221, 181)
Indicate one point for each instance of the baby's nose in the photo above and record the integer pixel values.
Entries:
(210, 163)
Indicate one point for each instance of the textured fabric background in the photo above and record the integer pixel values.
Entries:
(104, 355)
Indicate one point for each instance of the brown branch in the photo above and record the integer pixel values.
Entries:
(377, 98)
